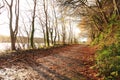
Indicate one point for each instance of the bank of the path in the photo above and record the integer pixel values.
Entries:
(72, 62)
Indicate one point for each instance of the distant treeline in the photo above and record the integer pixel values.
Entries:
(5, 39)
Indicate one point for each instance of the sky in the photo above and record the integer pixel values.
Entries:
(4, 21)
(4, 18)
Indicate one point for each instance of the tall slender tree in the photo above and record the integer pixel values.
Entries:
(45, 5)
(33, 25)
(13, 29)
(56, 21)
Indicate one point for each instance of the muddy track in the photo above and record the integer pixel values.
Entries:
(65, 63)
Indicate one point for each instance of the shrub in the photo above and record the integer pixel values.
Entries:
(108, 62)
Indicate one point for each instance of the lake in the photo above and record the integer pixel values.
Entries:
(6, 46)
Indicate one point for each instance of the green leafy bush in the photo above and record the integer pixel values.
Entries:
(108, 62)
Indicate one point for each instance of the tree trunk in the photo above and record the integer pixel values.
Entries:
(116, 7)
(33, 26)
(12, 36)
(51, 34)
(13, 41)
(32, 37)
(63, 34)
(13, 33)
(46, 23)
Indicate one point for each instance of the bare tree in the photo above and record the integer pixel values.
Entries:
(33, 25)
(70, 40)
(45, 5)
(2, 4)
(13, 30)
(26, 29)
(56, 22)
(63, 27)
(42, 24)
(51, 30)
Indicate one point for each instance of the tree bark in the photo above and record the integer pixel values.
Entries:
(13, 33)
(46, 23)
(33, 25)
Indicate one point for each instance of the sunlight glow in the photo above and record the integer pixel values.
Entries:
(77, 30)
(83, 39)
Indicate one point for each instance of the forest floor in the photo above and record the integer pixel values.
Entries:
(73, 62)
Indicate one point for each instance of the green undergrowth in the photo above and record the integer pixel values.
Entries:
(108, 62)
(108, 54)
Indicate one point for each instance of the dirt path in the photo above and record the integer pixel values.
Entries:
(65, 63)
